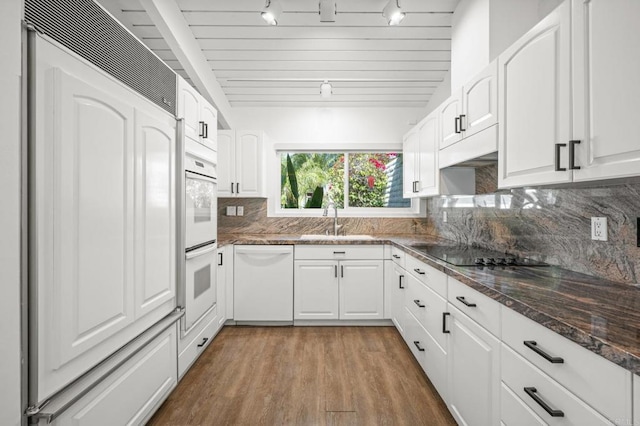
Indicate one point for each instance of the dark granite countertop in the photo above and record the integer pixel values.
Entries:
(600, 315)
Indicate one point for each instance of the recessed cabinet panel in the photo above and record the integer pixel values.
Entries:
(450, 112)
(316, 290)
(605, 88)
(480, 99)
(534, 104)
(155, 211)
(92, 204)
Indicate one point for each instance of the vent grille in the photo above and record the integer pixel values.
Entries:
(85, 28)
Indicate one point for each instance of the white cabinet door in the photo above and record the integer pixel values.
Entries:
(221, 299)
(606, 69)
(449, 118)
(154, 246)
(428, 170)
(189, 109)
(249, 182)
(361, 289)
(316, 290)
(535, 104)
(474, 371)
(226, 163)
(410, 164)
(86, 223)
(480, 101)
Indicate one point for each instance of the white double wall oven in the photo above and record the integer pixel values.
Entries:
(200, 232)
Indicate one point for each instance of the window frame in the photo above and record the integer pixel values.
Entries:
(274, 209)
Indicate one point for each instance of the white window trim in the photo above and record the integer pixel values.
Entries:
(417, 209)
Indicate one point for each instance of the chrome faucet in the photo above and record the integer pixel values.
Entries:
(335, 217)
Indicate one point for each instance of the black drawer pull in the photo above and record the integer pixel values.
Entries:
(341, 271)
(401, 281)
(204, 340)
(444, 322)
(395, 256)
(533, 345)
(464, 301)
(339, 252)
(336, 270)
(417, 343)
(553, 413)
(417, 302)
(419, 271)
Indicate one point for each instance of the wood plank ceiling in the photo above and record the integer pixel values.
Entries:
(368, 63)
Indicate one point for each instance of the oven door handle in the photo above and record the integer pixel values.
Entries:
(204, 250)
(192, 175)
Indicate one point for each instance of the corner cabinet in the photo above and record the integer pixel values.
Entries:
(241, 170)
(200, 118)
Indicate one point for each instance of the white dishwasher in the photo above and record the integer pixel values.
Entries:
(263, 283)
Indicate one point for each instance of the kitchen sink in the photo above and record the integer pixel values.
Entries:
(335, 237)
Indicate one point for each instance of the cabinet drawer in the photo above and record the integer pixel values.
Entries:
(602, 384)
(482, 309)
(398, 256)
(515, 412)
(519, 374)
(433, 278)
(339, 252)
(429, 354)
(190, 345)
(426, 306)
(133, 392)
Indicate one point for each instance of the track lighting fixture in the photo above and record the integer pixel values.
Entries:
(393, 13)
(271, 12)
(325, 89)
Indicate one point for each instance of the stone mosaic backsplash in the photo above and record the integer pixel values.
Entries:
(255, 221)
(553, 225)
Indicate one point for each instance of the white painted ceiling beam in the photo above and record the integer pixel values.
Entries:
(332, 75)
(313, 89)
(312, 5)
(417, 85)
(168, 19)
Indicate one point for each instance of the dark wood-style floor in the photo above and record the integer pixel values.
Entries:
(305, 376)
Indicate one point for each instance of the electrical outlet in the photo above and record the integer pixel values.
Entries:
(599, 228)
(231, 210)
(445, 217)
(240, 210)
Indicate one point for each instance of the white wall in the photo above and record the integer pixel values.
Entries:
(441, 94)
(469, 41)
(10, 405)
(329, 125)
(509, 21)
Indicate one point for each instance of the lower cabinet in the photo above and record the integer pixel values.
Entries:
(315, 290)
(130, 395)
(474, 371)
(361, 289)
(394, 287)
(191, 346)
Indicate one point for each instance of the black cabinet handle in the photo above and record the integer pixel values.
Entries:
(339, 252)
(463, 300)
(419, 271)
(335, 268)
(558, 168)
(237, 187)
(417, 302)
(204, 340)
(532, 393)
(201, 128)
(341, 271)
(457, 124)
(461, 117)
(232, 187)
(415, 186)
(572, 155)
(395, 256)
(533, 345)
(206, 131)
(417, 343)
(400, 281)
(220, 262)
(444, 322)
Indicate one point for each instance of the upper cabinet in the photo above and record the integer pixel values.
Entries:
(465, 115)
(200, 118)
(534, 104)
(562, 103)
(241, 164)
(605, 89)
(420, 149)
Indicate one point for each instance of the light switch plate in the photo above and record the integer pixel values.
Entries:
(240, 210)
(599, 228)
(231, 210)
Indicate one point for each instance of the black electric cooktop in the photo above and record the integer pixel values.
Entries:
(474, 256)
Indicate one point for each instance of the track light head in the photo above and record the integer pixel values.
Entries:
(325, 89)
(393, 12)
(271, 12)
